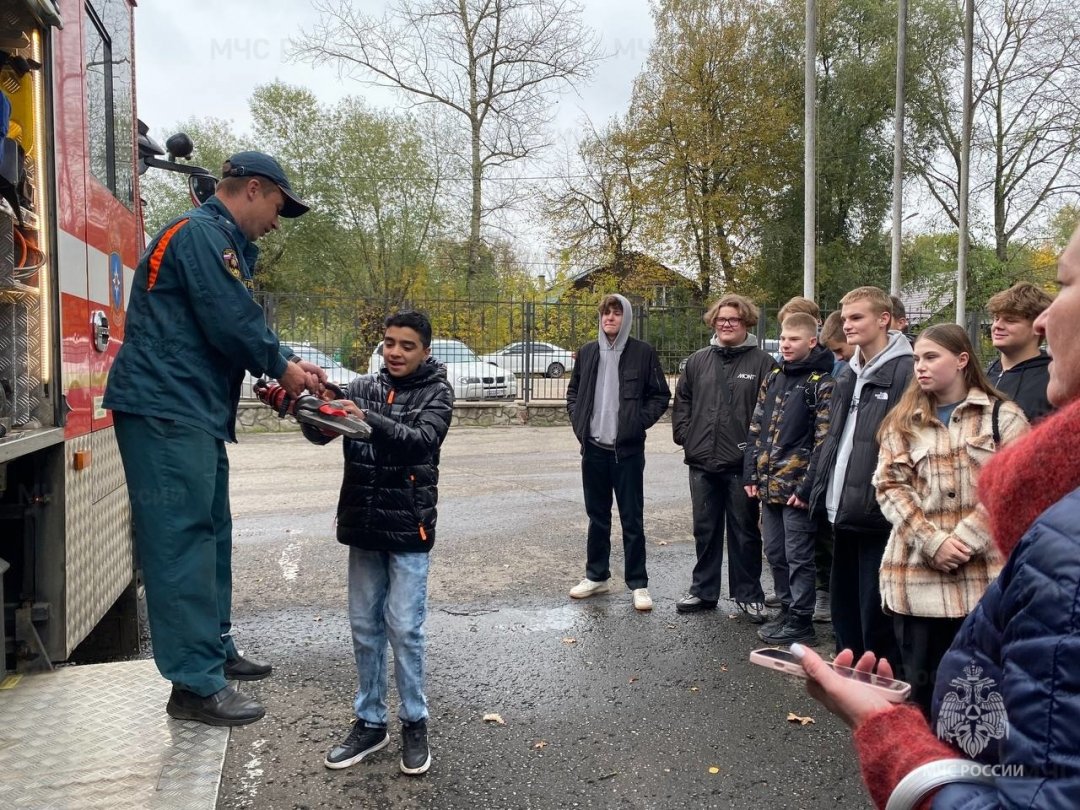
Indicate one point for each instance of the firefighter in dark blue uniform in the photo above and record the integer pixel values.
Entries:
(192, 330)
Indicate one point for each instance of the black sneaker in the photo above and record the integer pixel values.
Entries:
(773, 625)
(694, 604)
(797, 629)
(415, 756)
(362, 740)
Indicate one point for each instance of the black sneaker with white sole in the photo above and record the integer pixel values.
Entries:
(415, 756)
(362, 740)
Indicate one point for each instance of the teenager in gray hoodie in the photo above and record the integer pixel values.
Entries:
(617, 391)
(864, 393)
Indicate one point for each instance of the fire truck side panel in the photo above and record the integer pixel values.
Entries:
(99, 561)
(98, 554)
(82, 557)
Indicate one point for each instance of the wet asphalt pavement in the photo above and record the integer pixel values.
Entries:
(603, 707)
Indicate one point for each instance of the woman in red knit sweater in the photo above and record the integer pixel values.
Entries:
(1005, 717)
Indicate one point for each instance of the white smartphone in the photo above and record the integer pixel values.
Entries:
(783, 661)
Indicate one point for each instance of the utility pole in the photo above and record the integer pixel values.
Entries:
(810, 153)
(898, 147)
(965, 168)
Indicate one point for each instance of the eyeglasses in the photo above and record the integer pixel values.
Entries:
(728, 321)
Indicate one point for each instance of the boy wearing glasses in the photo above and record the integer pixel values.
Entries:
(714, 400)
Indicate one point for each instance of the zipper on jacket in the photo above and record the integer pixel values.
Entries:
(416, 511)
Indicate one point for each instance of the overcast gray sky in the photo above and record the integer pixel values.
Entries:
(205, 57)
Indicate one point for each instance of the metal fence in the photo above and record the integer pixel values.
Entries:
(537, 341)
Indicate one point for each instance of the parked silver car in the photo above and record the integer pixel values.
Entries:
(471, 377)
(544, 358)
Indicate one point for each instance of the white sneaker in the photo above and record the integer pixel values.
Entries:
(642, 600)
(587, 588)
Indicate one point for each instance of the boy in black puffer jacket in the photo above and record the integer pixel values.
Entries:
(386, 515)
(782, 451)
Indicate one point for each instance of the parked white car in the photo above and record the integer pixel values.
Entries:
(471, 377)
(544, 358)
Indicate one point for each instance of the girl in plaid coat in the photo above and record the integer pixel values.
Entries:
(939, 559)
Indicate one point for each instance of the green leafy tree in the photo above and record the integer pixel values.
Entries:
(714, 115)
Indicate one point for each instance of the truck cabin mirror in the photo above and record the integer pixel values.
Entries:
(177, 148)
(202, 187)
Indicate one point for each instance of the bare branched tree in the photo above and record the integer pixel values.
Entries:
(1026, 96)
(595, 205)
(494, 63)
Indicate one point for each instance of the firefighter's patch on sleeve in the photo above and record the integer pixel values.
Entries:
(232, 264)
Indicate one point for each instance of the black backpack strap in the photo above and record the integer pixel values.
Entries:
(811, 390)
(994, 422)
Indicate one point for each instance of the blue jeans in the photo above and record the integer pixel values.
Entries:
(388, 600)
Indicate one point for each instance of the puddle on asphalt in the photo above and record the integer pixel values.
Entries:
(533, 621)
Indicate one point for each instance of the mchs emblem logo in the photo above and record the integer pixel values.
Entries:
(974, 714)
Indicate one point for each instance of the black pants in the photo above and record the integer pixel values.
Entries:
(720, 502)
(858, 619)
(604, 473)
(823, 553)
(923, 643)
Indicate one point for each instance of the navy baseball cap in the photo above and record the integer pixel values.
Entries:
(257, 164)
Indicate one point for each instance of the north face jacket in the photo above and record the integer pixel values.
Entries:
(857, 509)
(390, 488)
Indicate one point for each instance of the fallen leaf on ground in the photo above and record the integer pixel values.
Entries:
(714, 769)
(539, 744)
(802, 721)
(633, 679)
(569, 640)
(694, 689)
(733, 615)
(673, 627)
(491, 717)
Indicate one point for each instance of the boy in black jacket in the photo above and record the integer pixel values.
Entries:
(1022, 369)
(714, 401)
(386, 515)
(617, 391)
(864, 393)
(783, 448)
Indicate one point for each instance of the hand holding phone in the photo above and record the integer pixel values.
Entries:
(784, 661)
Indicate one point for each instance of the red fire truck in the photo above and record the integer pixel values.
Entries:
(70, 236)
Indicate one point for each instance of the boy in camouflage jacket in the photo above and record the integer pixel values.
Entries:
(782, 450)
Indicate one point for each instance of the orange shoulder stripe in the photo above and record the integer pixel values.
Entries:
(159, 252)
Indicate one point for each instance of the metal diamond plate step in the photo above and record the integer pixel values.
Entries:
(98, 737)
